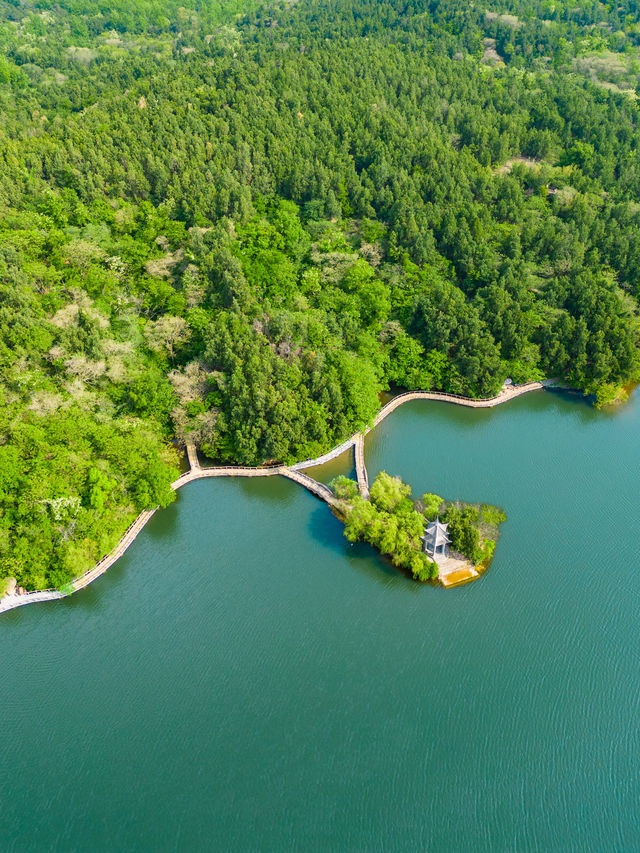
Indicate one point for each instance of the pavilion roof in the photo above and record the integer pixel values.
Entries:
(436, 532)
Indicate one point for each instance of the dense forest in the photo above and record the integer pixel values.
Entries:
(239, 222)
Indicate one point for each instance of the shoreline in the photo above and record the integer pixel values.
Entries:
(292, 472)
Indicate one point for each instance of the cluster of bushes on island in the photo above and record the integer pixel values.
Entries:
(389, 521)
(472, 528)
(394, 523)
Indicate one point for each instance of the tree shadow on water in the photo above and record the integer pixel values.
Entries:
(328, 531)
(163, 524)
(572, 396)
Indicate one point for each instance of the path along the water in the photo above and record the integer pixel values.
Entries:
(293, 472)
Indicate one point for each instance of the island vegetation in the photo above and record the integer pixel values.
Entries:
(237, 223)
(394, 523)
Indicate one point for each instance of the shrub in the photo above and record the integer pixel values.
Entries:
(388, 492)
(344, 488)
(463, 533)
(492, 515)
(431, 505)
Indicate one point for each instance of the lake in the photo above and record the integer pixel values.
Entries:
(244, 679)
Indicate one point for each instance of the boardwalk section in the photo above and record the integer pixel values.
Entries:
(327, 457)
(361, 468)
(11, 601)
(318, 489)
(192, 456)
(225, 471)
(509, 392)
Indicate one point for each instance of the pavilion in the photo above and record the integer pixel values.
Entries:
(436, 539)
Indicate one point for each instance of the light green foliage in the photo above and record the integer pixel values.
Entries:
(70, 485)
(492, 515)
(431, 505)
(100, 488)
(388, 493)
(607, 394)
(361, 520)
(488, 547)
(422, 568)
(344, 488)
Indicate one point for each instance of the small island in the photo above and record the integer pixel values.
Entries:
(430, 538)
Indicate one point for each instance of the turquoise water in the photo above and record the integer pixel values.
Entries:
(245, 680)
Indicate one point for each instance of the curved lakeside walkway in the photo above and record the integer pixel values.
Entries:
(292, 472)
